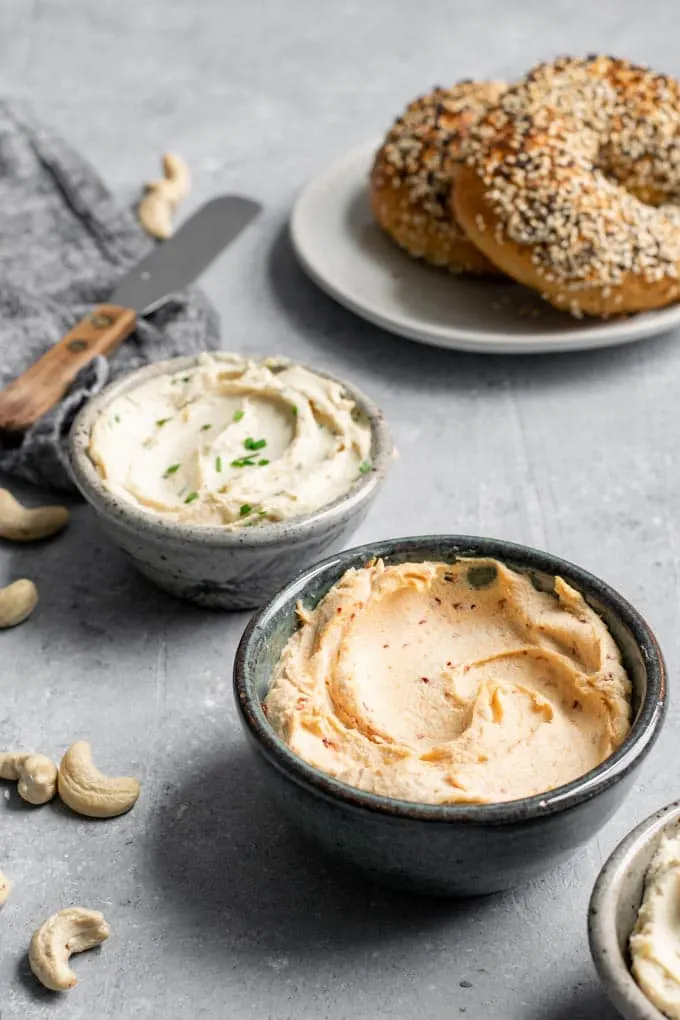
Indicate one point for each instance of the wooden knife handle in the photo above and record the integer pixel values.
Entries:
(43, 385)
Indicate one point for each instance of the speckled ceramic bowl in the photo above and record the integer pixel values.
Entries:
(211, 566)
(452, 849)
(613, 911)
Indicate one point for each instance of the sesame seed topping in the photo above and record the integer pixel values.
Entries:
(419, 156)
(581, 161)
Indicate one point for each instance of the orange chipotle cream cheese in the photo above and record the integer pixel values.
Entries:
(447, 684)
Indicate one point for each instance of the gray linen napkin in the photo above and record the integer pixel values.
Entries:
(64, 243)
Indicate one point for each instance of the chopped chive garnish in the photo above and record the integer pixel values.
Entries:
(204, 428)
(245, 510)
(263, 462)
(238, 415)
(254, 444)
(171, 470)
(243, 462)
(218, 463)
(162, 421)
(261, 513)
(116, 418)
(365, 466)
(191, 497)
(294, 410)
(186, 378)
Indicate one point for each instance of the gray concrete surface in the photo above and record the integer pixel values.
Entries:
(216, 910)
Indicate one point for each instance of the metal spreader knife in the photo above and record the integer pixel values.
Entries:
(162, 273)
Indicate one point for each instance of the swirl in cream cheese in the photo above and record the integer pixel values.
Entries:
(450, 684)
(232, 443)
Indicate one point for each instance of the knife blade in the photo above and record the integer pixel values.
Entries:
(167, 269)
(177, 262)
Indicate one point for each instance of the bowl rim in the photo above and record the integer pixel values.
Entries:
(634, 748)
(612, 969)
(276, 533)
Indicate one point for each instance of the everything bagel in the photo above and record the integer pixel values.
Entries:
(411, 179)
(572, 182)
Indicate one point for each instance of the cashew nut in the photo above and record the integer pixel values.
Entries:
(17, 602)
(37, 775)
(5, 888)
(163, 196)
(27, 524)
(86, 790)
(72, 930)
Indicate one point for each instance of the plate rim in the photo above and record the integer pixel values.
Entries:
(481, 341)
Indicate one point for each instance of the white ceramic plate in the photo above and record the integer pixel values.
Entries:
(347, 255)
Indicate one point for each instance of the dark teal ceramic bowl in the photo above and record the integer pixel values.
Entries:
(450, 850)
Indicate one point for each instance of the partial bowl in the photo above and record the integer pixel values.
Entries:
(211, 566)
(450, 850)
(614, 905)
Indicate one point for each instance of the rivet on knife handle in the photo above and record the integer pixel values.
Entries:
(43, 385)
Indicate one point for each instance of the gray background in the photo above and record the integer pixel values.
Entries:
(215, 909)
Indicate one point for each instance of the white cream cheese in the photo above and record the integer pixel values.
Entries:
(232, 442)
(655, 942)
